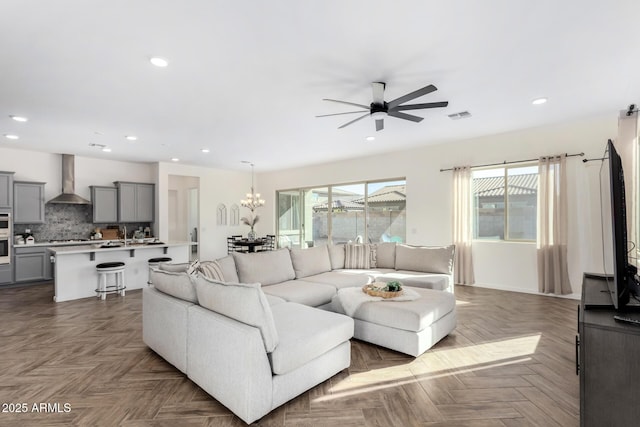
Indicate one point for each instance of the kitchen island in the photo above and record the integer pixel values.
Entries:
(75, 274)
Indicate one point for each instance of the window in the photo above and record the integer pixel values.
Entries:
(288, 218)
(505, 202)
(360, 212)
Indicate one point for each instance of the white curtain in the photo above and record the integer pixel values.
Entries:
(553, 272)
(462, 221)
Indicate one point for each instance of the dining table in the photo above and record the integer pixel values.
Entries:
(250, 244)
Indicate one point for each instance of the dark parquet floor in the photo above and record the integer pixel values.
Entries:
(510, 362)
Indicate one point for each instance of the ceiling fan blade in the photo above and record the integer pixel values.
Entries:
(353, 121)
(379, 125)
(408, 97)
(378, 92)
(420, 106)
(405, 116)
(339, 114)
(366, 107)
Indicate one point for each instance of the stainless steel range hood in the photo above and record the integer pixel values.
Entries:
(69, 195)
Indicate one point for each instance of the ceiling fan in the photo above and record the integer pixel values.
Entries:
(379, 109)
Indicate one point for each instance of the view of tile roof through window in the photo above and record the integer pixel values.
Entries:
(494, 186)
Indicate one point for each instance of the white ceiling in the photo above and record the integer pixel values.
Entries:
(246, 78)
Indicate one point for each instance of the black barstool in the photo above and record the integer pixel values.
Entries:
(104, 270)
(155, 262)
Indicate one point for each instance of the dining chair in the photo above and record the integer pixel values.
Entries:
(269, 243)
(232, 246)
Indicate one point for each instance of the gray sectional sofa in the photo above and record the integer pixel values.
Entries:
(270, 325)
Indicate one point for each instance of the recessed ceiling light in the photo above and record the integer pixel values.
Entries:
(131, 137)
(19, 118)
(106, 149)
(204, 150)
(10, 136)
(370, 138)
(175, 159)
(159, 62)
(539, 101)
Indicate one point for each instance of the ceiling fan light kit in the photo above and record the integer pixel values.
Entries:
(379, 109)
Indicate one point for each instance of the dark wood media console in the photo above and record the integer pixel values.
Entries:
(608, 359)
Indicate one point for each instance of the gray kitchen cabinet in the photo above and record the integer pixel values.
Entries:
(145, 203)
(32, 264)
(28, 202)
(6, 190)
(6, 274)
(105, 204)
(135, 202)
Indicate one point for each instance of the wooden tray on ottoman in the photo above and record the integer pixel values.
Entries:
(369, 290)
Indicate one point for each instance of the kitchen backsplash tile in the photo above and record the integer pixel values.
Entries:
(63, 221)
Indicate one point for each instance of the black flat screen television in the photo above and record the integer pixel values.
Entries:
(623, 283)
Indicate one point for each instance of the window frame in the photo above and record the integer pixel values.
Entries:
(330, 187)
(506, 168)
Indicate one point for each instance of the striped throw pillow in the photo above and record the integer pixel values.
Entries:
(212, 270)
(357, 256)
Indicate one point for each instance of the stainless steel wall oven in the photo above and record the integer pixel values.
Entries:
(5, 237)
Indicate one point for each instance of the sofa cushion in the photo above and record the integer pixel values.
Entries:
(312, 334)
(266, 268)
(438, 281)
(307, 262)
(212, 270)
(244, 302)
(341, 278)
(302, 292)
(386, 255)
(228, 267)
(273, 300)
(411, 316)
(175, 268)
(429, 259)
(177, 284)
(336, 254)
(357, 256)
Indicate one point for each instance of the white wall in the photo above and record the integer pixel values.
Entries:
(179, 224)
(501, 265)
(47, 167)
(216, 186)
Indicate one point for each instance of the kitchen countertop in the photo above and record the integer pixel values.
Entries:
(97, 247)
(72, 243)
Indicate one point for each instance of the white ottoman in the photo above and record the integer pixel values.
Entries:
(410, 327)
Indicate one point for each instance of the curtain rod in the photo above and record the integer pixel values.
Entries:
(509, 163)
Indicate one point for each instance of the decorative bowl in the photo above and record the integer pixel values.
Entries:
(377, 289)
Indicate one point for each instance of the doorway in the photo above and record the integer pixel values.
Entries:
(184, 211)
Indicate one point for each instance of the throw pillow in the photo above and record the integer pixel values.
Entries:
(357, 256)
(212, 270)
(244, 302)
(373, 259)
(193, 268)
(228, 266)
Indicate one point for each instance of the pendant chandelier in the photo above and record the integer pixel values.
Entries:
(253, 199)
